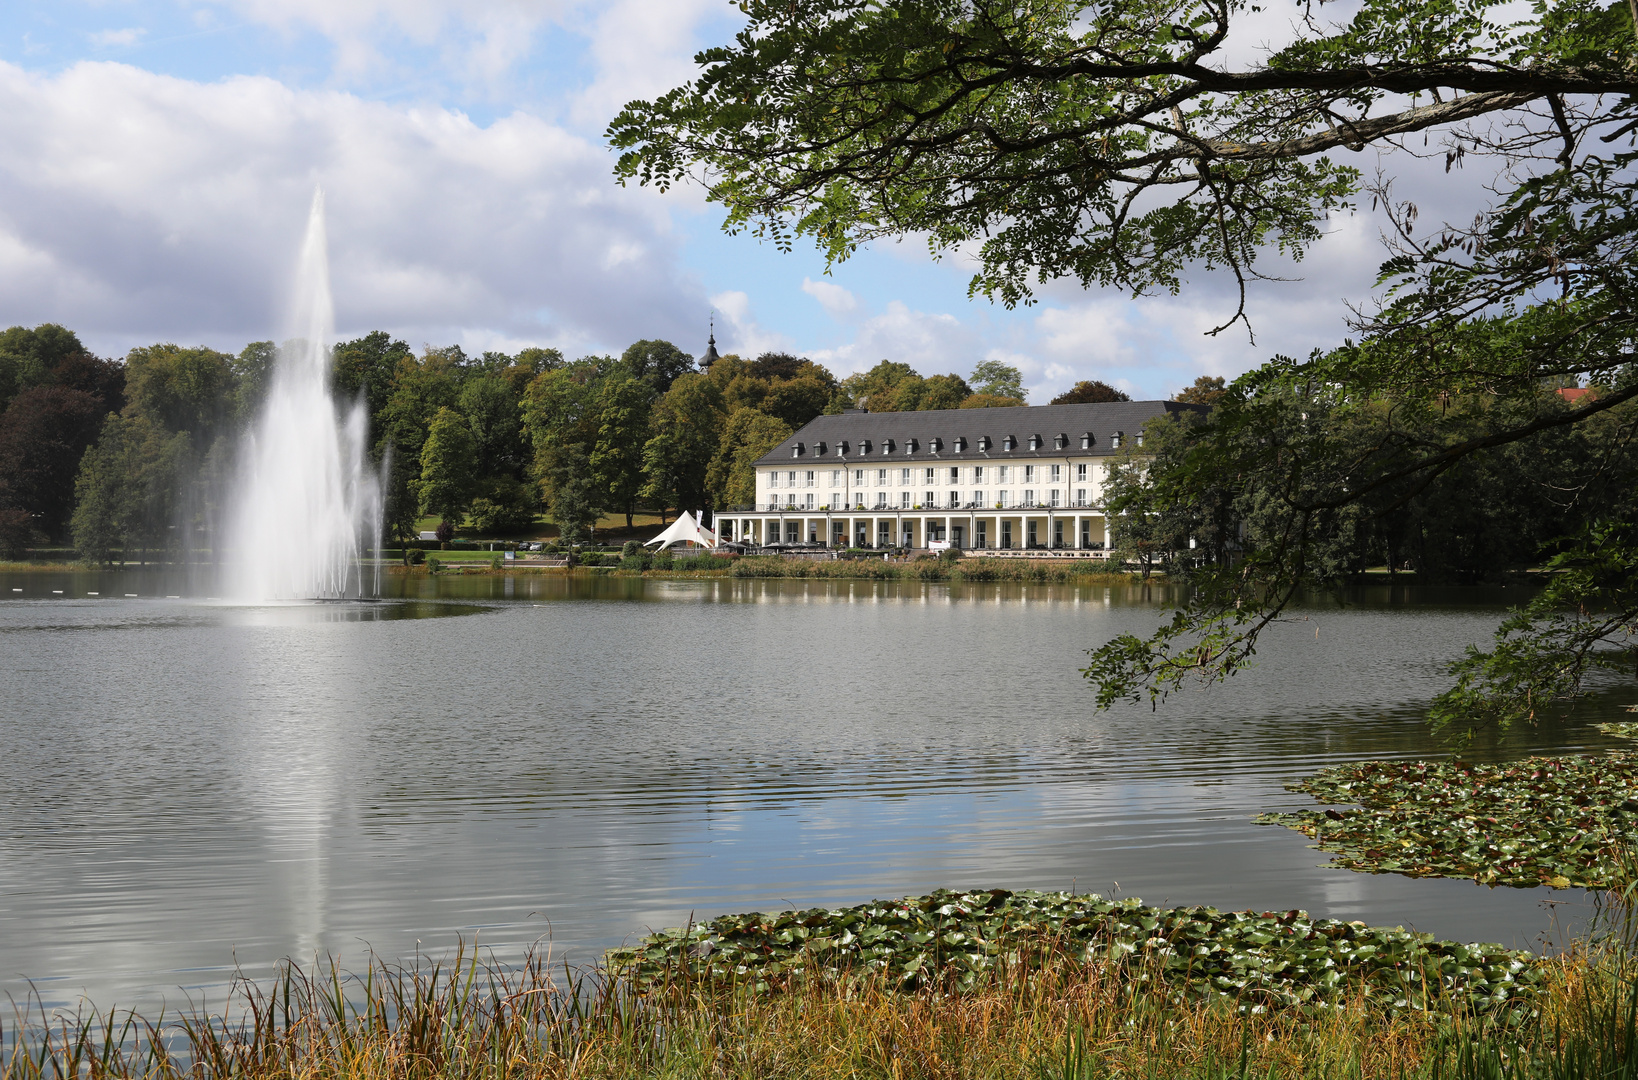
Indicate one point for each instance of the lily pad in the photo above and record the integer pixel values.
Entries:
(958, 939)
(1559, 822)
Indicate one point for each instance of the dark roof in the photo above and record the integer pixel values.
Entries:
(857, 427)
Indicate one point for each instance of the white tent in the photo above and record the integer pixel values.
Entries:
(685, 528)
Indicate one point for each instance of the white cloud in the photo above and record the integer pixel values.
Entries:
(933, 343)
(837, 301)
(742, 334)
(108, 39)
(136, 207)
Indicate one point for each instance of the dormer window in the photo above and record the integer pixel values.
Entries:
(960, 444)
(798, 450)
(887, 446)
(1086, 440)
(911, 446)
(1114, 440)
(1060, 441)
(984, 443)
(819, 448)
(1010, 442)
(1034, 442)
(1140, 440)
(864, 446)
(935, 444)
(841, 447)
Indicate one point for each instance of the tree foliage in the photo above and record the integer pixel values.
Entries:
(1090, 391)
(1123, 144)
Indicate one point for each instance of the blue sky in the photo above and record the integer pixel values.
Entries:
(162, 154)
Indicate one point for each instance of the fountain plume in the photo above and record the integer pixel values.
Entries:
(307, 508)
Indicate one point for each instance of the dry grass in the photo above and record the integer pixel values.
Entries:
(1063, 1020)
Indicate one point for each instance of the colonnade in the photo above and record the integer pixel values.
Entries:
(981, 530)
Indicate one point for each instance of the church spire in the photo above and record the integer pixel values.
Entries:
(711, 356)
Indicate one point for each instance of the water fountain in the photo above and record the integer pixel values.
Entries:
(307, 506)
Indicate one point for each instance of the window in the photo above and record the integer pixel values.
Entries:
(836, 477)
(1080, 473)
(978, 474)
(881, 500)
(1114, 440)
(773, 479)
(858, 478)
(927, 499)
(904, 500)
(1080, 496)
(1009, 443)
(1057, 473)
(881, 477)
(1006, 534)
(1032, 541)
(1058, 533)
(858, 500)
(1001, 499)
(790, 478)
(978, 497)
(1053, 497)
(982, 539)
(808, 481)
(1029, 474)
(836, 500)
(1086, 441)
(810, 500)
(1140, 439)
(1029, 498)
(955, 475)
(792, 531)
(1086, 534)
(1034, 442)
(904, 476)
(955, 499)
(1002, 474)
(1060, 441)
(928, 475)
(790, 501)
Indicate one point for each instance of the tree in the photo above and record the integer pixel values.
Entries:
(990, 401)
(252, 374)
(1120, 145)
(368, 367)
(27, 357)
(656, 364)
(182, 390)
(684, 438)
(998, 379)
(747, 436)
(1206, 390)
(1114, 144)
(622, 428)
(125, 494)
(43, 434)
(493, 412)
(571, 490)
(445, 484)
(1090, 392)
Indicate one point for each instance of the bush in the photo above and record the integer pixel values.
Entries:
(434, 565)
(663, 559)
(495, 563)
(636, 562)
(632, 547)
(950, 555)
(416, 556)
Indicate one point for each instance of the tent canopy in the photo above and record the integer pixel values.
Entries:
(685, 528)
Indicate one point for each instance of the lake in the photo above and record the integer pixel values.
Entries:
(193, 787)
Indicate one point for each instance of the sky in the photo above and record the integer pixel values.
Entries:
(161, 156)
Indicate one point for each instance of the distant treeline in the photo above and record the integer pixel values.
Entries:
(134, 456)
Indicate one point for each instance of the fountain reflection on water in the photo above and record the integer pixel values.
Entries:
(307, 508)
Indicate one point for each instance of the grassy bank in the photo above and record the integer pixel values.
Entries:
(1054, 1016)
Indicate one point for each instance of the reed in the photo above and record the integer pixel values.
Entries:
(1057, 1018)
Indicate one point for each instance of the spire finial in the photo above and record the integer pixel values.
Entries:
(711, 356)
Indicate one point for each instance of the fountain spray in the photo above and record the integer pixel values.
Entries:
(307, 508)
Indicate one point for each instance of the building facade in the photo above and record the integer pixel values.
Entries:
(997, 480)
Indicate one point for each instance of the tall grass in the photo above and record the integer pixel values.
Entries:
(1060, 1019)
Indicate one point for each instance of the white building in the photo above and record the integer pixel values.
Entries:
(1020, 479)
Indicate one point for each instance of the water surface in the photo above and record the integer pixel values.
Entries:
(193, 785)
